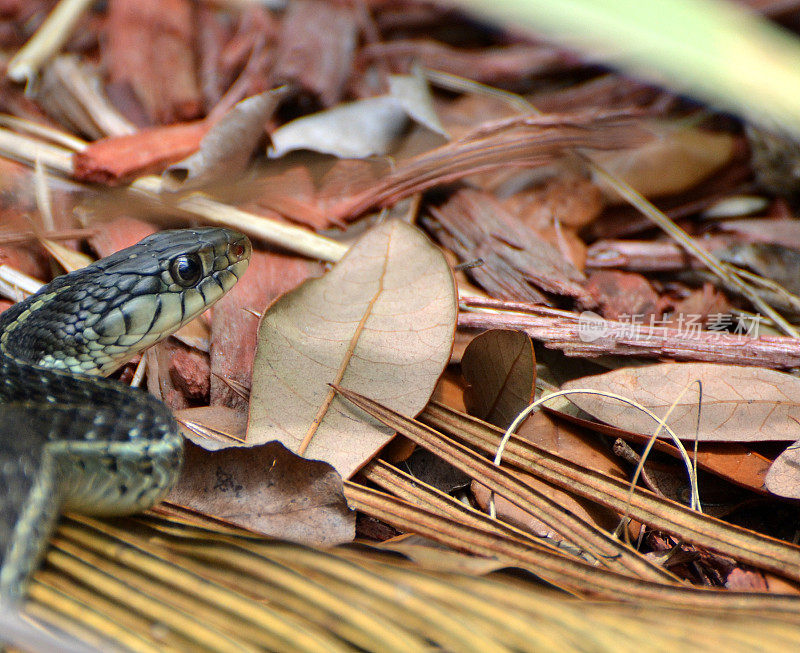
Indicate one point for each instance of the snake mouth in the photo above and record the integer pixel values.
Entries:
(239, 252)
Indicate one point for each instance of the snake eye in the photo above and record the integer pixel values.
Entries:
(186, 269)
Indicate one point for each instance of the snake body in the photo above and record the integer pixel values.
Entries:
(70, 439)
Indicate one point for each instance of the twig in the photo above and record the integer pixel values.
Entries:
(47, 40)
(564, 330)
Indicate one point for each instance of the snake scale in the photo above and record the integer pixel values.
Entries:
(70, 439)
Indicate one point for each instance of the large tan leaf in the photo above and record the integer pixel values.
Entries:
(380, 322)
(739, 403)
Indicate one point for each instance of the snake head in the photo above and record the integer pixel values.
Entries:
(95, 319)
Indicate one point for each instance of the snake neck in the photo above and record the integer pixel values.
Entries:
(98, 405)
(92, 401)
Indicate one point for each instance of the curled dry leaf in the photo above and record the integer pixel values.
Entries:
(362, 128)
(744, 404)
(380, 322)
(500, 368)
(263, 488)
(228, 145)
(414, 95)
(354, 130)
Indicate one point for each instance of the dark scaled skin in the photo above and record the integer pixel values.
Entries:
(70, 439)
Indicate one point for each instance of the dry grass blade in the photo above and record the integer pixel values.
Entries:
(363, 587)
(179, 588)
(367, 618)
(182, 567)
(556, 623)
(574, 624)
(47, 40)
(200, 601)
(746, 546)
(156, 610)
(575, 575)
(413, 490)
(77, 619)
(263, 594)
(612, 553)
(505, 625)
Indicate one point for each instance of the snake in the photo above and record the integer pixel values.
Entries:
(71, 439)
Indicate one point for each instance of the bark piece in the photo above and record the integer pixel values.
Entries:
(623, 295)
(315, 49)
(117, 159)
(149, 50)
(475, 225)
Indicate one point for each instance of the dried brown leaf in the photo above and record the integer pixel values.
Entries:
(730, 461)
(500, 368)
(744, 404)
(382, 320)
(570, 441)
(228, 145)
(269, 490)
(354, 130)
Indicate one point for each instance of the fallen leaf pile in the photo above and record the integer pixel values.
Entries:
(451, 221)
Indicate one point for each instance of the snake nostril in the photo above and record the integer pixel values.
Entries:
(238, 250)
